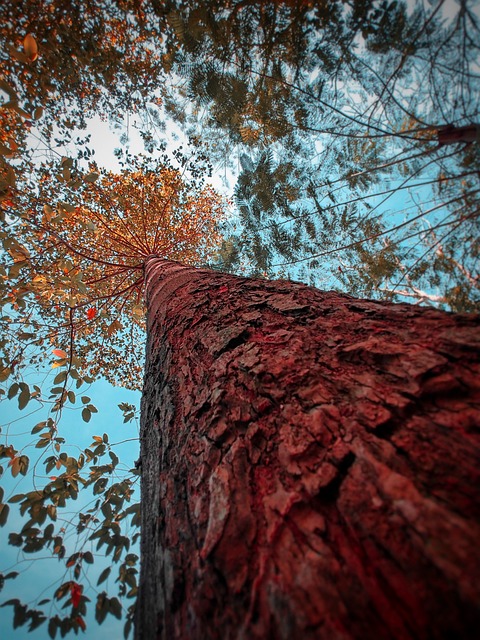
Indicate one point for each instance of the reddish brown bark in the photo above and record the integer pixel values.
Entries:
(310, 464)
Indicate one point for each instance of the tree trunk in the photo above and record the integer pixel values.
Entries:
(310, 464)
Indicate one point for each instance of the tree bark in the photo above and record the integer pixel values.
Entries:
(310, 464)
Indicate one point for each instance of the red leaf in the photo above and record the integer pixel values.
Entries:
(81, 623)
(10, 452)
(91, 313)
(76, 593)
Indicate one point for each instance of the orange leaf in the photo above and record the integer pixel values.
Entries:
(60, 353)
(30, 47)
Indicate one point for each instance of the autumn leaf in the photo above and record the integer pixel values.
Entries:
(30, 47)
(59, 353)
(75, 594)
(81, 623)
(91, 177)
(9, 452)
(115, 326)
(98, 239)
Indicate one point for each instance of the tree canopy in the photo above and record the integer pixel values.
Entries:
(350, 128)
(337, 110)
(78, 265)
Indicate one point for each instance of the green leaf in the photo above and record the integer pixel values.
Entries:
(23, 462)
(101, 608)
(127, 628)
(104, 575)
(7, 88)
(52, 511)
(24, 335)
(15, 467)
(43, 442)
(11, 575)
(23, 398)
(4, 511)
(38, 427)
(67, 207)
(88, 557)
(5, 373)
(18, 55)
(60, 377)
(12, 392)
(115, 607)
(52, 628)
(62, 591)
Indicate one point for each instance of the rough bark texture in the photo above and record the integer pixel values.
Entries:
(310, 464)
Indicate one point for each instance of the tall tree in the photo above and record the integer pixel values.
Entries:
(309, 460)
(309, 463)
(77, 263)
